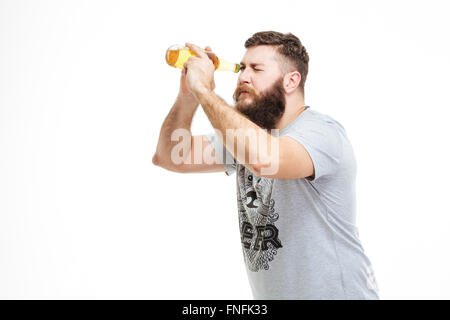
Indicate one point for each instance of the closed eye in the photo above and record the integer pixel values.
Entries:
(243, 67)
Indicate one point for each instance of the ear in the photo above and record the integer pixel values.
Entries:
(291, 81)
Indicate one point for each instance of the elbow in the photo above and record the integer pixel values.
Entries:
(255, 169)
(156, 161)
(266, 169)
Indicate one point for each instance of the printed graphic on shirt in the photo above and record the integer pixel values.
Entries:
(257, 217)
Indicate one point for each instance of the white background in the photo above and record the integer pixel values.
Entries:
(84, 89)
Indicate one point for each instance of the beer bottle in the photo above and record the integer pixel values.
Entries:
(177, 55)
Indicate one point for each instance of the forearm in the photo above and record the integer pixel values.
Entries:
(179, 117)
(241, 136)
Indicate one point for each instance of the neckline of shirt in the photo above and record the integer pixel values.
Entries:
(296, 119)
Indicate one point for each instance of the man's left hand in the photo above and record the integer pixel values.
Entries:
(199, 71)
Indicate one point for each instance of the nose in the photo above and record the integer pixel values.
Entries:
(244, 77)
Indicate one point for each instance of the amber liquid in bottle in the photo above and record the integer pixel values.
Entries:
(177, 55)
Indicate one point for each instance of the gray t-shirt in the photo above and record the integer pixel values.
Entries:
(298, 236)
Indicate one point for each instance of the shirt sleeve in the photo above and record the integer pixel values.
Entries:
(222, 154)
(323, 140)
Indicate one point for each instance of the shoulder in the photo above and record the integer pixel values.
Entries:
(315, 124)
(313, 118)
(323, 138)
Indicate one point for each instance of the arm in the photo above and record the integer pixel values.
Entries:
(285, 158)
(180, 117)
(234, 129)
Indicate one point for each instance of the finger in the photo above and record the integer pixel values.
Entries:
(189, 61)
(199, 52)
(192, 61)
(208, 48)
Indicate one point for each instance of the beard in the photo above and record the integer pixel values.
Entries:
(266, 109)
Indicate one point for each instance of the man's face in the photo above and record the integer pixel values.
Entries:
(259, 94)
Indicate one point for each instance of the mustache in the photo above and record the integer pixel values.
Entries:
(243, 88)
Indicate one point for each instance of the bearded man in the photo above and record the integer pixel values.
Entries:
(295, 178)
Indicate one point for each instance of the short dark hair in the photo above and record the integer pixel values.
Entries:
(289, 46)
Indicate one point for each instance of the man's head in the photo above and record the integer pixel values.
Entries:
(274, 67)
